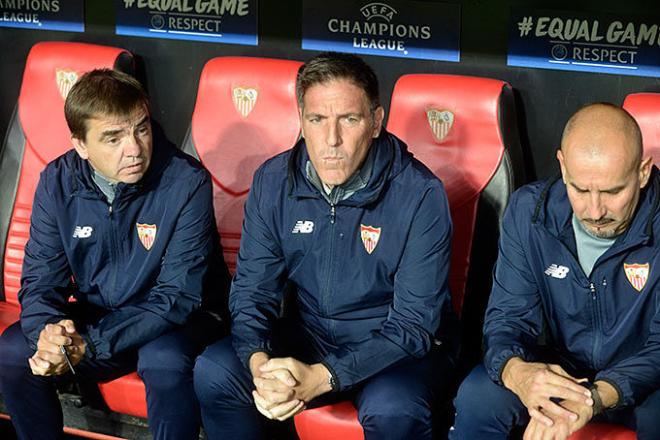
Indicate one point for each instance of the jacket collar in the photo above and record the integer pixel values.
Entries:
(553, 210)
(390, 156)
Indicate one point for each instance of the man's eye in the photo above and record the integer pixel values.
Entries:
(143, 130)
(112, 141)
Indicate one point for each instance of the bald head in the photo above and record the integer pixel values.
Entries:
(602, 167)
(603, 129)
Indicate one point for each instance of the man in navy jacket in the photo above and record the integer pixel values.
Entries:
(572, 330)
(126, 228)
(361, 231)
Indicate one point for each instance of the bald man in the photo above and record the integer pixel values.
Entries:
(572, 329)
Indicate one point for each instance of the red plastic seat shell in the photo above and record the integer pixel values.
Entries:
(645, 108)
(233, 144)
(330, 422)
(603, 431)
(126, 395)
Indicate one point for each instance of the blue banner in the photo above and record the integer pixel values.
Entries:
(51, 15)
(405, 29)
(219, 21)
(584, 42)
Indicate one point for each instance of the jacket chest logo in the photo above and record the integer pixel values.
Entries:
(146, 234)
(637, 274)
(557, 271)
(82, 232)
(370, 237)
(303, 227)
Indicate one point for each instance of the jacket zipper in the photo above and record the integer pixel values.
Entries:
(597, 325)
(113, 253)
(331, 251)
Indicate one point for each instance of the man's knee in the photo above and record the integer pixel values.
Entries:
(219, 376)
(647, 420)
(14, 349)
(480, 401)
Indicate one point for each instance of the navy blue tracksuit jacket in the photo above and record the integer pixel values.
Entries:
(606, 325)
(370, 273)
(132, 290)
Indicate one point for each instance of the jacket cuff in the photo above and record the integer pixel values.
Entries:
(90, 351)
(621, 385)
(495, 367)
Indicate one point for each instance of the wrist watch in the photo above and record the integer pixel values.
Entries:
(332, 381)
(598, 402)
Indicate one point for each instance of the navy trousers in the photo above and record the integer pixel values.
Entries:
(395, 404)
(485, 410)
(164, 364)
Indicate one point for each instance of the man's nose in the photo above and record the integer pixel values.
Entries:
(132, 147)
(333, 135)
(596, 208)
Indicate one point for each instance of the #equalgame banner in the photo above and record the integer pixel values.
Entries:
(52, 15)
(220, 21)
(406, 29)
(584, 42)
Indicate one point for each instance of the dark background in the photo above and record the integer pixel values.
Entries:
(170, 69)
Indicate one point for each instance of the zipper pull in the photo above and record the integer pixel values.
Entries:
(332, 214)
(109, 209)
(593, 290)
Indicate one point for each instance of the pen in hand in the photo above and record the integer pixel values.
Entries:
(66, 357)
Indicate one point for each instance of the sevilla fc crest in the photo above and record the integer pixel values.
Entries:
(146, 234)
(65, 80)
(440, 122)
(370, 237)
(637, 274)
(244, 99)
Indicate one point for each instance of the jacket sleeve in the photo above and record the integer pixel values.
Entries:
(637, 376)
(421, 295)
(178, 288)
(514, 316)
(258, 285)
(46, 278)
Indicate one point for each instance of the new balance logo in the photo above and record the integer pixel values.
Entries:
(303, 227)
(557, 271)
(82, 232)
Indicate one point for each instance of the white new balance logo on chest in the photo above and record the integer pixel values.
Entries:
(556, 271)
(303, 227)
(82, 232)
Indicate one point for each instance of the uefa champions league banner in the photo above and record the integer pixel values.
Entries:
(220, 21)
(51, 15)
(584, 42)
(406, 29)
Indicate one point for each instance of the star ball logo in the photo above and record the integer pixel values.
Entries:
(378, 30)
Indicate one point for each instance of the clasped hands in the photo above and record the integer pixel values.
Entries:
(556, 401)
(49, 360)
(283, 386)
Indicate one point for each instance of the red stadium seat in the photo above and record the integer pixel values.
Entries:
(645, 108)
(246, 112)
(464, 129)
(603, 431)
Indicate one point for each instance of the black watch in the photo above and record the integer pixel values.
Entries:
(598, 402)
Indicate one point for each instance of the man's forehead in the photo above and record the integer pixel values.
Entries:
(342, 88)
(120, 120)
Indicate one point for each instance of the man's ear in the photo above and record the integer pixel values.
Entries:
(645, 171)
(562, 166)
(80, 147)
(379, 115)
